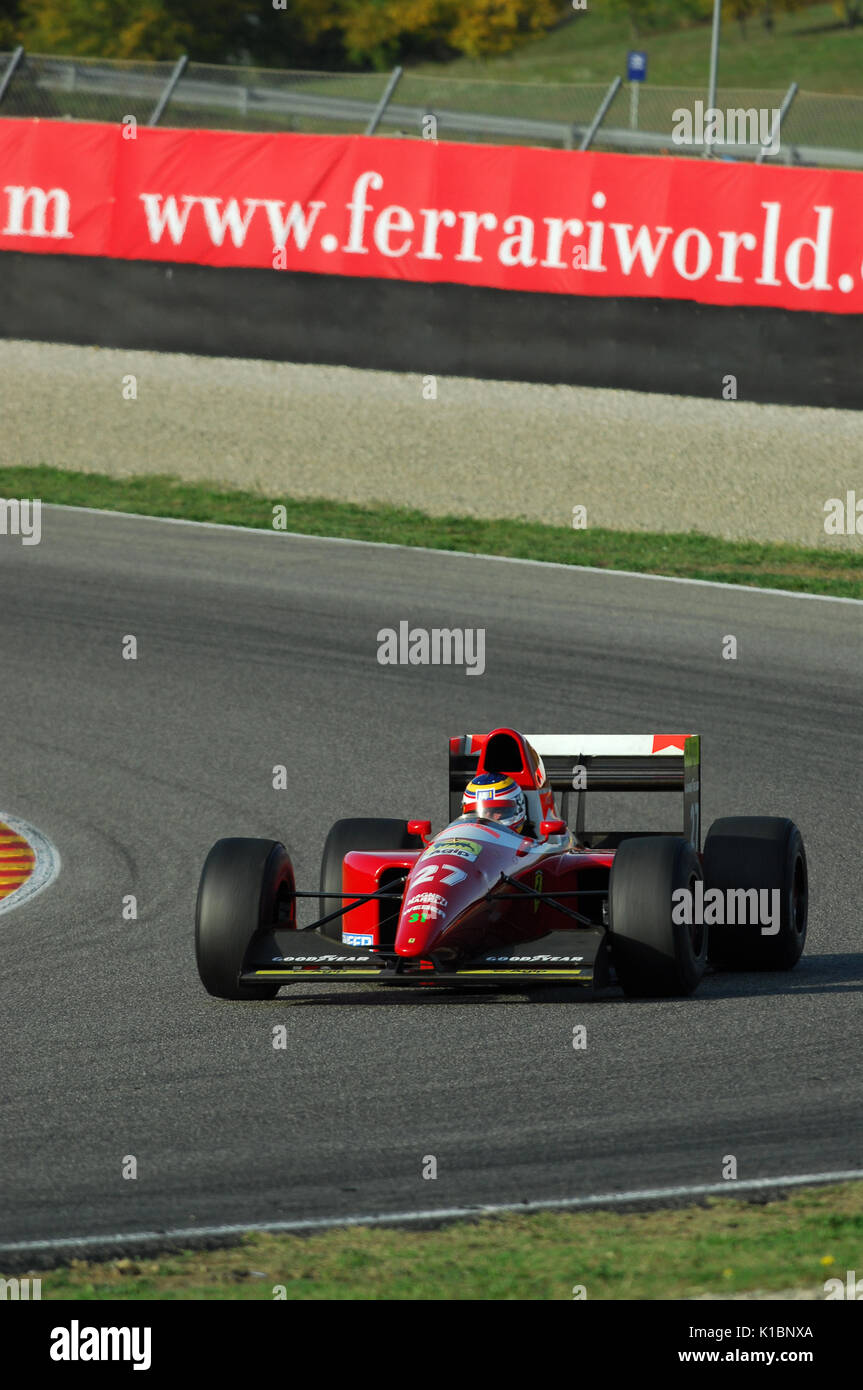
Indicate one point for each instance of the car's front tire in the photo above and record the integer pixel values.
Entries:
(246, 887)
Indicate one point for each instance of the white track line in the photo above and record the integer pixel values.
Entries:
(433, 1214)
(45, 870)
(461, 554)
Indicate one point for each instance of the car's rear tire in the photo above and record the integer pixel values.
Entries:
(653, 956)
(247, 886)
(367, 833)
(761, 852)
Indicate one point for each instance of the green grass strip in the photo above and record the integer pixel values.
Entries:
(690, 554)
(722, 1248)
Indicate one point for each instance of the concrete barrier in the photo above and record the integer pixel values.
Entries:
(670, 346)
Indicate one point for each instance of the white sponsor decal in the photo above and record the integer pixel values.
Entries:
(450, 873)
(461, 847)
(534, 959)
(319, 960)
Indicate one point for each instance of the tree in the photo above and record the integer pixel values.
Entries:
(10, 20)
(293, 33)
(642, 14)
(105, 28)
(851, 10)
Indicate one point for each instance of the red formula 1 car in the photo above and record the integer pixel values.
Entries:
(481, 903)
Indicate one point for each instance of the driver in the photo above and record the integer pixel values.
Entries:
(496, 797)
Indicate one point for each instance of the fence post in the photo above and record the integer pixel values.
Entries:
(170, 87)
(10, 71)
(783, 112)
(384, 102)
(707, 152)
(714, 55)
(601, 113)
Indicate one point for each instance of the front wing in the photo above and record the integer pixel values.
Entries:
(559, 958)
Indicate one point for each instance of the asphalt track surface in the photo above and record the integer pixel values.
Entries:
(256, 650)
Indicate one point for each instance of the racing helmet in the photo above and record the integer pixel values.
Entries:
(496, 797)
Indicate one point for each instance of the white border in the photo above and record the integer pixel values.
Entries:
(45, 870)
(657, 1195)
(460, 554)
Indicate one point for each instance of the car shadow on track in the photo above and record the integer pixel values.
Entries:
(391, 994)
(839, 974)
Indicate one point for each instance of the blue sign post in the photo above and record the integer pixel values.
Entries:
(636, 72)
(636, 66)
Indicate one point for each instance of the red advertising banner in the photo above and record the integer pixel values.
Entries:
(512, 218)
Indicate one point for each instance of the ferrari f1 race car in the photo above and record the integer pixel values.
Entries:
(539, 900)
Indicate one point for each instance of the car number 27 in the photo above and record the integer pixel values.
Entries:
(451, 874)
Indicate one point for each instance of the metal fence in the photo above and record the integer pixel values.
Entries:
(817, 130)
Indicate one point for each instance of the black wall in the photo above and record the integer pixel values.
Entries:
(643, 344)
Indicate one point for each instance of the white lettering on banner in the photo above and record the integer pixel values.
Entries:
(704, 254)
(640, 246)
(771, 238)
(35, 204)
(516, 249)
(557, 226)
(521, 219)
(393, 219)
(433, 220)
(472, 223)
(393, 231)
(219, 219)
(165, 215)
(731, 243)
(819, 247)
(297, 226)
(358, 207)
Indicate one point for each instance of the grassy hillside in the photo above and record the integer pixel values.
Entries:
(811, 47)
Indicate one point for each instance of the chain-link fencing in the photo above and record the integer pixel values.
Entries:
(641, 118)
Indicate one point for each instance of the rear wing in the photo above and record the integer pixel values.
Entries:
(576, 764)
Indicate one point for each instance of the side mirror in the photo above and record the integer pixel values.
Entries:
(547, 828)
(420, 827)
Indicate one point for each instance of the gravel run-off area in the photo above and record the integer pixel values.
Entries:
(480, 448)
